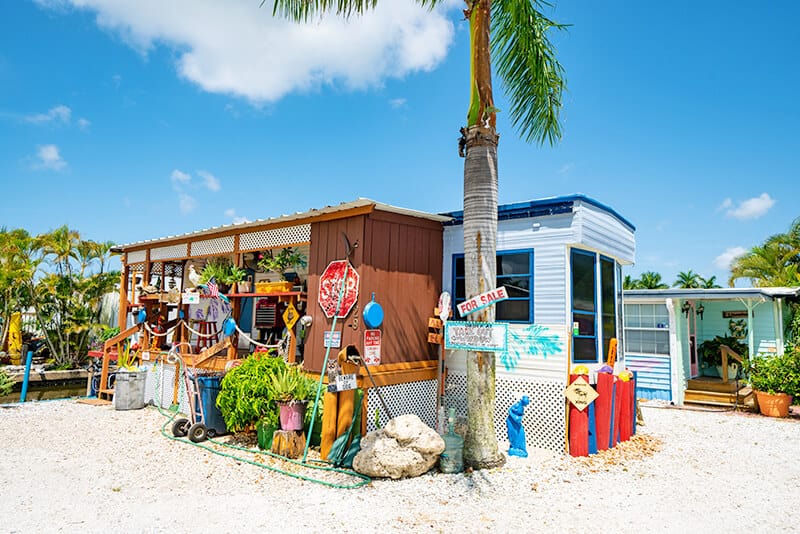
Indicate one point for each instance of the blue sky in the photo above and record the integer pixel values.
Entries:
(134, 119)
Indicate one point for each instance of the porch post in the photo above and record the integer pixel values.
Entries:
(777, 317)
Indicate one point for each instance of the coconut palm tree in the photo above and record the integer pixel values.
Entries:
(630, 283)
(776, 262)
(709, 283)
(651, 280)
(688, 280)
(516, 33)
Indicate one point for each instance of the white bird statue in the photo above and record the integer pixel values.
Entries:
(194, 277)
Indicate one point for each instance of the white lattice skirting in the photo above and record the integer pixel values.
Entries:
(544, 417)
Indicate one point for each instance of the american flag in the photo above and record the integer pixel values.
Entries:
(213, 290)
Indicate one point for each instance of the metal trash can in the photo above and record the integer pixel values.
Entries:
(129, 390)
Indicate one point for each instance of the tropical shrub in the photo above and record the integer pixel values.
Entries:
(6, 384)
(775, 373)
(246, 394)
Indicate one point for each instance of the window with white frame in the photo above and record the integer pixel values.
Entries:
(647, 329)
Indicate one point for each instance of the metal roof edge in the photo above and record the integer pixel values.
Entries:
(310, 214)
(721, 293)
(543, 207)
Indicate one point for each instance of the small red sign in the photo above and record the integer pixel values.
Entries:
(372, 347)
(330, 286)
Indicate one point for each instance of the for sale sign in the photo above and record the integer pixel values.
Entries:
(481, 301)
(372, 347)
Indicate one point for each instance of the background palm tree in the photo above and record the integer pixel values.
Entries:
(516, 32)
(630, 283)
(776, 262)
(709, 283)
(687, 280)
(651, 280)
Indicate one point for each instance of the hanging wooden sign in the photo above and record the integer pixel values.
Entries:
(580, 393)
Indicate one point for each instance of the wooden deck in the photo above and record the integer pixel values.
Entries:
(716, 392)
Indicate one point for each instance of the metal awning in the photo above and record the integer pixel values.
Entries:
(722, 293)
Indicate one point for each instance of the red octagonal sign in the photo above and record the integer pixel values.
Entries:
(330, 285)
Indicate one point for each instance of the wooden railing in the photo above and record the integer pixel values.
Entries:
(103, 391)
(726, 353)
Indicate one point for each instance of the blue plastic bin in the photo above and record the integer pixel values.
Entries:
(209, 389)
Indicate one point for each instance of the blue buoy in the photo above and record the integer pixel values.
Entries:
(141, 316)
(229, 327)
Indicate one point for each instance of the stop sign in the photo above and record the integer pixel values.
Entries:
(330, 285)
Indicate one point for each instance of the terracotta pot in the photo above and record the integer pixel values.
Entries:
(773, 405)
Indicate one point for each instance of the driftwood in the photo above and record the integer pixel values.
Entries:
(288, 443)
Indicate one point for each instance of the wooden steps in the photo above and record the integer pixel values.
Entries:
(714, 392)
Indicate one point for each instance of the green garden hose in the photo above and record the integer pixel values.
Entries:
(363, 479)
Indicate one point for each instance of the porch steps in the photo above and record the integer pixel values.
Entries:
(714, 392)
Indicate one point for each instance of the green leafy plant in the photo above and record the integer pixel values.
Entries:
(292, 384)
(6, 384)
(282, 261)
(711, 355)
(775, 373)
(235, 275)
(246, 395)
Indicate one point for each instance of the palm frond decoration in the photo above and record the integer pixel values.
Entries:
(533, 340)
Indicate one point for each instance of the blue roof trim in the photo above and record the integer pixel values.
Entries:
(540, 208)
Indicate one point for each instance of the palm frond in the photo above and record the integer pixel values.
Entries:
(303, 10)
(526, 62)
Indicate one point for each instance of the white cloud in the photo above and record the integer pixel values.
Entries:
(179, 177)
(84, 124)
(397, 102)
(237, 48)
(58, 114)
(566, 168)
(724, 260)
(49, 158)
(211, 181)
(236, 219)
(727, 203)
(186, 203)
(752, 208)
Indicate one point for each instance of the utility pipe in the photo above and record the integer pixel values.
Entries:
(26, 377)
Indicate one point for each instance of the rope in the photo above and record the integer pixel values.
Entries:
(257, 344)
(193, 331)
(363, 479)
(156, 334)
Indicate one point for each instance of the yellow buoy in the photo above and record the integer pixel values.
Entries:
(15, 338)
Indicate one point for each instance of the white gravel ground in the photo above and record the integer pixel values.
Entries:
(71, 467)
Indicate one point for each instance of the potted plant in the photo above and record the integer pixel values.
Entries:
(292, 389)
(776, 380)
(711, 356)
(218, 268)
(280, 263)
(246, 396)
(235, 277)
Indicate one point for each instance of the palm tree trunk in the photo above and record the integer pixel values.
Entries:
(480, 238)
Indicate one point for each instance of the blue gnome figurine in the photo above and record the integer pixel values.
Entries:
(516, 432)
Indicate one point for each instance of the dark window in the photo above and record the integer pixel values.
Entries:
(515, 272)
(593, 323)
(608, 305)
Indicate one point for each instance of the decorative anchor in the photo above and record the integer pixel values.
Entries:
(516, 432)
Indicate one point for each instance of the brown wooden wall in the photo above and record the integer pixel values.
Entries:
(399, 258)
